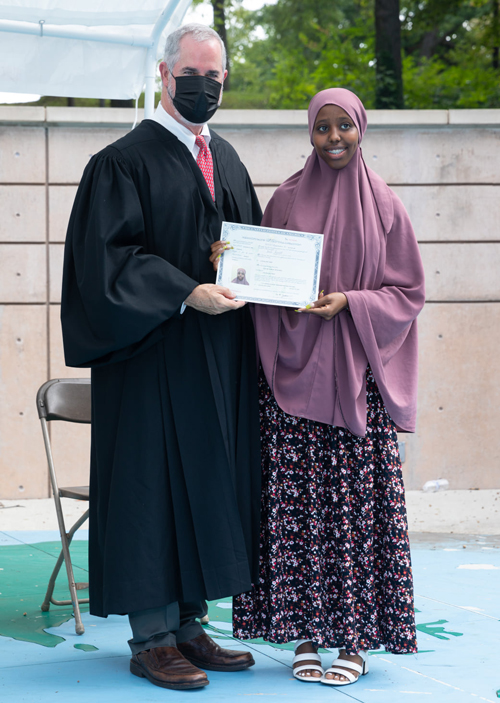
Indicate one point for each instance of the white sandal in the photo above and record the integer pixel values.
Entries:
(340, 667)
(310, 656)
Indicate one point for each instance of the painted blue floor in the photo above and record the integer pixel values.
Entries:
(457, 586)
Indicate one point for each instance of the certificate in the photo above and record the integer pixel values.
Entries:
(271, 266)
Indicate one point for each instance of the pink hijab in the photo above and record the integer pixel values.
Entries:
(317, 368)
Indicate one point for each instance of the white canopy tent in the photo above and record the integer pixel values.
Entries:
(85, 48)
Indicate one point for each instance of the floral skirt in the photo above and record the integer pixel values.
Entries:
(335, 562)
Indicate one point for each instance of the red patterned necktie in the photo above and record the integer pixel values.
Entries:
(204, 161)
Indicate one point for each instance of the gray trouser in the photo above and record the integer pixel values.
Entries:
(165, 626)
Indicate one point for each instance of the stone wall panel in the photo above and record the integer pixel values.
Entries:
(458, 272)
(459, 398)
(23, 276)
(269, 155)
(399, 156)
(453, 213)
(22, 154)
(56, 255)
(23, 364)
(433, 155)
(22, 213)
(264, 194)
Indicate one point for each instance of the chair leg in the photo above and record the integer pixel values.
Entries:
(72, 587)
(80, 629)
(62, 530)
(52, 581)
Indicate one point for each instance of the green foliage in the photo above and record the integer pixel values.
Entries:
(301, 54)
(459, 73)
(339, 60)
(433, 85)
(284, 53)
(431, 28)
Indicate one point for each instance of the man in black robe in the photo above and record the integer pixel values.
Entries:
(175, 458)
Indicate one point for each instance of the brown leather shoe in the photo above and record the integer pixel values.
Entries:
(166, 667)
(202, 651)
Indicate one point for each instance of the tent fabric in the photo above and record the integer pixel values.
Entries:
(71, 67)
(83, 12)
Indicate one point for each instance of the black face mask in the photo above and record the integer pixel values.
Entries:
(196, 97)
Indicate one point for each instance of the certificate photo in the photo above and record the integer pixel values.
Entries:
(270, 266)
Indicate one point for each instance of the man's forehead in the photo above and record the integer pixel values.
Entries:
(190, 47)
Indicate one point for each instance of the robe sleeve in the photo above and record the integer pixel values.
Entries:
(385, 320)
(116, 297)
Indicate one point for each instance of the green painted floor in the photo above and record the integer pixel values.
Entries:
(457, 586)
(25, 571)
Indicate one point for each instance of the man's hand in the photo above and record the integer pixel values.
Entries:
(213, 300)
(327, 306)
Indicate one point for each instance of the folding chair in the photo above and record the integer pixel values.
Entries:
(66, 399)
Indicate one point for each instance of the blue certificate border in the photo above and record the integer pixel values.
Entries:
(228, 227)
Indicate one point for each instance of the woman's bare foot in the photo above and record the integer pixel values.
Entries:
(349, 657)
(307, 648)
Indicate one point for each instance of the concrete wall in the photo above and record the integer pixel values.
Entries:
(443, 164)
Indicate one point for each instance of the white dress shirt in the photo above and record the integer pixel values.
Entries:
(184, 135)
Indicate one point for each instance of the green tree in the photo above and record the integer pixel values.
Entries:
(284, 53)
(281, 55)
(450, 54)
(389, 73)
(219, 8)
(288, 51)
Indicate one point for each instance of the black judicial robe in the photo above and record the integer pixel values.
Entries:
(175, 457)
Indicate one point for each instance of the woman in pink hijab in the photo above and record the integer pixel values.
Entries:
(338, 379)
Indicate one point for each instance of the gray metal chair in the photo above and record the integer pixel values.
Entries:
(68, 400)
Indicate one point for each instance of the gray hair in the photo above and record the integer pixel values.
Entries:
(200, 33)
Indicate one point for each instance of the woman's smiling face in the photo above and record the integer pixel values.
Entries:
(335, 136)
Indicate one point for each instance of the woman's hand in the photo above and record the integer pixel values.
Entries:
(327, 306)
(217, 249)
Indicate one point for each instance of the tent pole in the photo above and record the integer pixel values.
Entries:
(83, 33)
(149, 94)
(150, 77)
